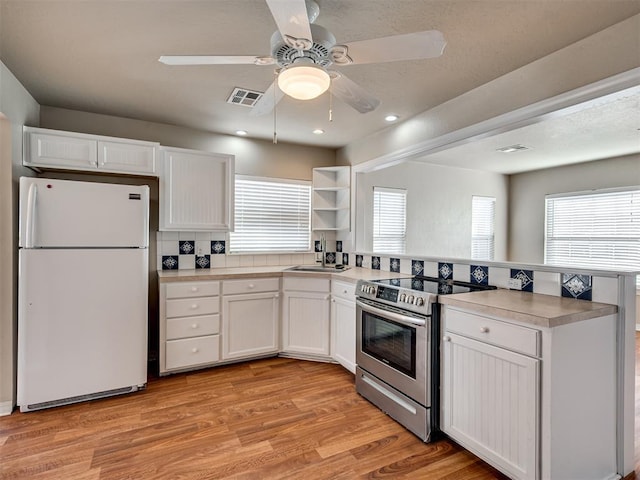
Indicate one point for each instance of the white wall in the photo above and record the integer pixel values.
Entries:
(528, 190)
(438, 207)
(17, 107)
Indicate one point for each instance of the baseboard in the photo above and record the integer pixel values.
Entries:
(6, 408)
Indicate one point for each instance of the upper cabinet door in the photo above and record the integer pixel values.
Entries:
(126, 157)
(58, 150)
(196, 190)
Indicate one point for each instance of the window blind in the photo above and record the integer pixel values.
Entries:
(600, 230)
(271, 216)
(389, 220)
(483, 213)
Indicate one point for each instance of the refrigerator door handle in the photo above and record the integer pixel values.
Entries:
(31, 214)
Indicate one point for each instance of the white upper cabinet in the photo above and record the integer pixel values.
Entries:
(196, 190)
(331, 198)
(93, 153)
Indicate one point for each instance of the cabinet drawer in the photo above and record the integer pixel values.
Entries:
(192, 351)
(187, 307)
(185, 327)
(512, 337)
(343, 290)
(192, 289)
(301, 284)
(256, 285)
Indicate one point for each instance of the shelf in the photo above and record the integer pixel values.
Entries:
(330, 209)
(331, 199)
(329, 189)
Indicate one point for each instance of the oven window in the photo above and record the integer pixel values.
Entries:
(392, 343)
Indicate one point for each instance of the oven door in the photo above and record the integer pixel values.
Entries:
(393, 345)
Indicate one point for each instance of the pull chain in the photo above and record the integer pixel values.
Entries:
(331, 101)
(275, 101)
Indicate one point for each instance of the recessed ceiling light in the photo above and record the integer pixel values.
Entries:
(391, 118)
(318, 131)
(512, 148)
(242, 133)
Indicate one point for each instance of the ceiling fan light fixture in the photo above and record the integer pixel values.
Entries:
(304, 82)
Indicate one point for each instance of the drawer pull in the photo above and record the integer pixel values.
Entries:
(344, 291)
(194, 350)
(194, 325)
(484, 329)
(194, 306)
(446, 338)
(333, 300)
(194, 289)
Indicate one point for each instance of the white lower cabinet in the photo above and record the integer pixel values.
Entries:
(189, 325)
(490, 403)
(250, 318)
(343, 324)
(305, 317)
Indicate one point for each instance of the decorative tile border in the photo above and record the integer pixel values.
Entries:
(445, 270)
(203, 261)
(330, 258)
(417, 267)
(375, 263)
(358, 260)
(218, 247)
(170, 262)
(339, 246)
(186, 247)
(345, 259)
(525, 277)
(394, 265)
(577, 286)
(479, 275)
(316, 246)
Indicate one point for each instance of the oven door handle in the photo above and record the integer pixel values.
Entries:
(405, 320)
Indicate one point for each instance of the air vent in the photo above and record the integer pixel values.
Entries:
(512, 148)
(244, 97)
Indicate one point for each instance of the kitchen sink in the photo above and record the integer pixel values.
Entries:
(318, 268)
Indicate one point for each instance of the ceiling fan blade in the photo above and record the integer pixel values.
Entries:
(215, 60)
(409, 46)
(293, 22)
(352, 94)
(268, 100)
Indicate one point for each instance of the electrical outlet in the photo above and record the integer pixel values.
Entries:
(515, 283)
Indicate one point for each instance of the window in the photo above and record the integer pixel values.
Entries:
(271, 215)
(483, 214)
(389, 220)
(600, 229)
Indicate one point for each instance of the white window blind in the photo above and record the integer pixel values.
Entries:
(600, 230)
(271, 216)
(389, 220)
(483, 214)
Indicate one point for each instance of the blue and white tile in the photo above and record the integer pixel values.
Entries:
(445, 270)
(430, 269)
(203, 261)
(417, 267)
(232, 261)
(526, 277)
(316, 246)
(605, 290)
(170, 262)
(187, 247)
(345, 258)
(187, 262)
(330, 258)
(375, 262)
(338, 246)
(218, 261)
(246, 260)
(394, 265)
(169, 247)
(479, 274)
(218, 247)
(359, 261)
(499, 277)
(576, 286)
(546, 283)
(259, 260)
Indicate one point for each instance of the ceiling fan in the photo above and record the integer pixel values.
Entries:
(305, 54)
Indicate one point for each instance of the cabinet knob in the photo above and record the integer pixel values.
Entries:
(251, 285)
(344, 291)
(194, 350)
(446, 338)
(333, 300)
(194, 306)
(277, 295)
(484, 329)
(194, 289)
(194, 325)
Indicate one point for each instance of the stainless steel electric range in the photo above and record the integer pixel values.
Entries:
(398, 347)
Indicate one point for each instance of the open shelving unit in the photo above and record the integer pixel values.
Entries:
(331, 199)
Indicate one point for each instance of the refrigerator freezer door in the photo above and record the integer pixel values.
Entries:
(82, 323)
(62, 213)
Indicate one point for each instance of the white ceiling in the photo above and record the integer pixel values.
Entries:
(101, 56)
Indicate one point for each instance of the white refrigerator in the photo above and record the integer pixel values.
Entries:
(82, 291)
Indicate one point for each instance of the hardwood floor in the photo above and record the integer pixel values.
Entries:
(269, 419)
